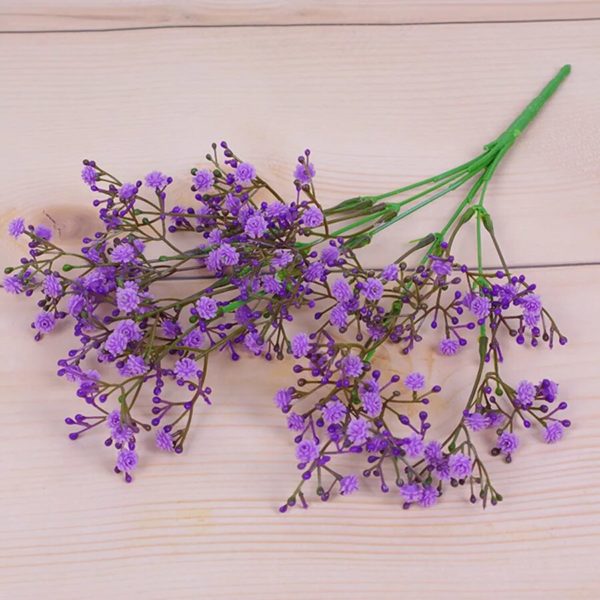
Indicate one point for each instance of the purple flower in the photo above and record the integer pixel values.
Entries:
(130, 330)
(194, 339)
(304, 172)
(334, 412)
(89, 175)
(164, 440)
(525, 394)
(307, 451)
(244, 173)
(76, 304)
(341, 290)
(495, 418)
(433, 453)
(329, 255)
(12, 284)
(390, 273)
(295, 422)
(127, 460)
(448, 347)
(185, 369)
(255, 226)
(128, 298)
(254, 342)
(414, 446)
(372, 289)
(282, 258)
(204, 180)
(477, 422)
(429, 496)
(171, 329)
(52, 286)
(283, 398)
(134, 366)
(207, 308)
(124, 253)
(312, 217)
(16, 227)
(460, 466)
(352, 365)
(371, 400)
(119, 432)
(339, 316)
(441, 267)
(358, 431)
(348, 485)
(507, 443)
(411, 492)
(156, 180)
(480, 306)
(116, 343)
(43, 232)
(300, 345)
(44, 322)
(415, 381)
(531, 319)
(228, 255)
(128, 191)
(531, 303)
(554, 432)
(548, 389)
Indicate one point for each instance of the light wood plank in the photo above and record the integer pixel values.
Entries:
(379, 107)
(205, 524)
(40, 15)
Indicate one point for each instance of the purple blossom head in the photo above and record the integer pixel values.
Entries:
(228, 255)
(52, 286)
(300, 345)
(283, 398)
(532, 303)
(254, 342)
(312, 217)
(244, 174)
(507, 443)
(307, 451)
(329, 255)
(304, 172)
(164, 440)
(89, 175)
(43, 232)
(390, 273)
(116, 343)
(156, 180)
(12, 284)
(358, 431)
(128, 299)
(411, 492)
(477, 421)
(449, 347)
(334, 412)
(460, 466)
(352, 365)
(119, 432)
(429, 496)
(282, 258)
(127, 191)
(525, 394)
(338, 316)
(441, 267)
(134, 366)
(16, 227)
(414, 446)
(129, 329)
(203, 180)
(123, 253)
(372, 289)
(433, 453)
(348, 485)
(127, 460)
(194, 339)
(45, 322)
(255, 226)
(480, 306)
(554, 432)
(415, 381)
(207, 308)
(341, 290)
(371, 400)
(295, 422)
(185, 369)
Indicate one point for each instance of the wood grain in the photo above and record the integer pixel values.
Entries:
(379, 106)
(41, 15)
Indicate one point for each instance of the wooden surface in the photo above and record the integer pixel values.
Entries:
(379, 106)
